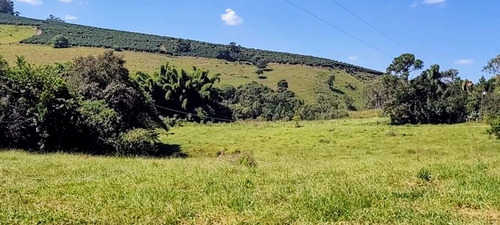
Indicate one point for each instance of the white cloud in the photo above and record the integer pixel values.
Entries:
(70, 17)
(66, 1)
(464, 62)
(231, 18)
(31, 2)
(353, 58)
(433, 2)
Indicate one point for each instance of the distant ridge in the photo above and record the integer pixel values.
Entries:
(87, 36)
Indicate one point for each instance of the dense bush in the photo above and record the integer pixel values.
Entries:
(97, 37)
(433, 97)
(494, 121)
(85, 107)
(138, 142)
(325, 108)
(105, 78)
(188, 96)
(256, 101)
(60, 41)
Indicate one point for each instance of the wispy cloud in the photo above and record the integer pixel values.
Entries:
(231, 18)
(31, 2)
(353, 58)
(66, 1)
(70, 17)
(433, 2)
(464, 62)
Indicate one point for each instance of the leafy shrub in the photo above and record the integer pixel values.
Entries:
(138, 142)
(37, 110)
(60, 41)
(325, 108)
(494, 121)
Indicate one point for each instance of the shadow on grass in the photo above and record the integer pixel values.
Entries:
(166, 151)
(338, 91)
(170, 151)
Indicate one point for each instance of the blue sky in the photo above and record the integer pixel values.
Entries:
(461, 34)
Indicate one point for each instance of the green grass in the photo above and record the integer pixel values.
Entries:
(355, 171)
(305, 81)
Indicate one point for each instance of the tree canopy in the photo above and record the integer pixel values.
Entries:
(7, 6)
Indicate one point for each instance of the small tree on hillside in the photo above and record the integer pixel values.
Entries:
(59, 41)
(282, 85)
(55, 19)
(330, 81)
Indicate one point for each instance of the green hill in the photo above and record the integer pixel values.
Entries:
(305, 74)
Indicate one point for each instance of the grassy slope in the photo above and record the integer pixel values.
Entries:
(305, 81)
(354, 171)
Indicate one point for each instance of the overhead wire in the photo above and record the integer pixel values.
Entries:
(339, 29)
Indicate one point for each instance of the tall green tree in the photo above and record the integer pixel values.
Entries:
(7, 6)
(493, 66)
(405, 64)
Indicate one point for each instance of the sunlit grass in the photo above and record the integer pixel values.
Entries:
(354, 170)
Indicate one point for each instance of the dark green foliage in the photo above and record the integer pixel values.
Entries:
(54, 19)
(7, 6)
(330, 81)
(256, 101)
(98, 126)
(105, 78)
(60, 41)
(325, 108)
(37, 110)
(493, 66)
(491, 105)
(139, 142)
(96, 37)
(261, 63)
(403, 65)
(192, 97)
(282, 85)
(349, 103)
(81, 108)
(494, 121)
(433, 97)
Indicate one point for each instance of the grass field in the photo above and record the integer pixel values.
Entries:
(305, 81)
(355, 171)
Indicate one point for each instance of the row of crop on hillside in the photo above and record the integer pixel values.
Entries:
(121, 40)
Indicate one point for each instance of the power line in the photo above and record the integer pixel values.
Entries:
(373, 27)
(339, 29)
(191, 114)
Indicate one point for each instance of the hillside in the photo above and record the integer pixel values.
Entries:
(97, 37)
(306, 81)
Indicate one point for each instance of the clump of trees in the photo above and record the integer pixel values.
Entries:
(7, 6)
(90, 105)
(434, 96)
(256, 101)
(192, 97)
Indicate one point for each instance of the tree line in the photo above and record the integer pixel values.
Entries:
(94, 105)
(435, 96)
